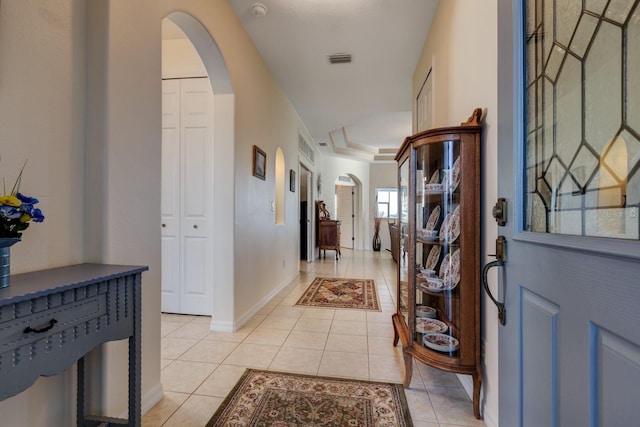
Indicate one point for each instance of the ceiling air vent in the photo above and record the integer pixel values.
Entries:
(340, 58)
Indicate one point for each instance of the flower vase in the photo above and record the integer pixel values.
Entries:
(5, 263)
(377, 243)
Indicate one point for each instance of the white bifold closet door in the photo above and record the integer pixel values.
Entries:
(187, 193)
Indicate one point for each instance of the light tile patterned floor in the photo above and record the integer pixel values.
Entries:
(199, 367)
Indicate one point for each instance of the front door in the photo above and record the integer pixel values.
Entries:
(569, 156)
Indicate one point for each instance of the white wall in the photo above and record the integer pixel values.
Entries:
(91, 128)
(462, 49)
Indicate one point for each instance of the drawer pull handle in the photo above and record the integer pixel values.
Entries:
(41, 330)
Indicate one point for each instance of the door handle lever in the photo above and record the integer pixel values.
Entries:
(501, 257)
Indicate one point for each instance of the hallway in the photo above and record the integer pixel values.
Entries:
(199, 367)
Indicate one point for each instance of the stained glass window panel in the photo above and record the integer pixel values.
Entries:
(583, 117)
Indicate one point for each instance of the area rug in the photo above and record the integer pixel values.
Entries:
(341, 293)
(265, 398)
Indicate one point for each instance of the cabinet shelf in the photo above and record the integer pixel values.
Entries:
(440, 156)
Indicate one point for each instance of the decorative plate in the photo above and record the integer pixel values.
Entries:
(450, 228)
(433, 218)
(434, 188)
(454, 226)
(425, 325)
(433, 257)
(440, 342)
(435, 178)
(455, 174)
(450, 270)
(425, 311)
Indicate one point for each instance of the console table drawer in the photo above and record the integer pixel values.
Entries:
(25, 329)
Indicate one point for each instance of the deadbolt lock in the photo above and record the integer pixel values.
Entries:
(500, 211)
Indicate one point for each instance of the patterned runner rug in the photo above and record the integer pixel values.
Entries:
(265, 398)
(341, 293)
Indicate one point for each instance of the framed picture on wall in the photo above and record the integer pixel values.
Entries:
(292, 180)
(259, 163)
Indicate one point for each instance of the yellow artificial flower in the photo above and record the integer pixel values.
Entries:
(10, 200)
(25, 218)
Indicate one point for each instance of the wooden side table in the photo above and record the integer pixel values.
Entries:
(329, 237)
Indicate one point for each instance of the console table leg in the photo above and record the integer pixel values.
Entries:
(81, 406)
(135, 394)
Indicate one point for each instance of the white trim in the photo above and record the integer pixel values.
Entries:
(222, 326)
(151, 398)
(148, 400)
(488, 417)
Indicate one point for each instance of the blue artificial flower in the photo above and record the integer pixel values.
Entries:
(27, 199)
(10, 212)
(36, 215)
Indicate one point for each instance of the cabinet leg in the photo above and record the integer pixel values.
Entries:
(477, 385)
(408, 369)
(396, 337)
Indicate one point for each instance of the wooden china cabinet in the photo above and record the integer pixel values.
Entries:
(438, 300)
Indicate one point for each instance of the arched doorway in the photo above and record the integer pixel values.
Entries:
(220, 283)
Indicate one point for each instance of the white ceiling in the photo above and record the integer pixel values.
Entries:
(357, 109)
(362, 109)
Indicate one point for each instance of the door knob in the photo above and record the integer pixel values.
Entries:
(164, 225)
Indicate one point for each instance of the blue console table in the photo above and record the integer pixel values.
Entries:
(50, 319)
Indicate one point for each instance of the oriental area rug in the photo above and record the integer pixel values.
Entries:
(341, 293)
(266, 398)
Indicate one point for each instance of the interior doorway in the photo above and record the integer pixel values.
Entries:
(186, 207)
(346, 196)
(187, 178)
(203, 47)
(305, 213)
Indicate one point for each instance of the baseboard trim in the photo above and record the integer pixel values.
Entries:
(148, 400)
(221, 326)
(237, 324)
(488, 417)
(152, 397)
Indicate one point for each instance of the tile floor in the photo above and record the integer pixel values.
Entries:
(199, 367)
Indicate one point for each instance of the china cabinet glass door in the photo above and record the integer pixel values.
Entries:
(437, 246)
(403, 200)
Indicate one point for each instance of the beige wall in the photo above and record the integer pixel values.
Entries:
(462, 50)
(90, 126)
(181, 60)
(42, 119)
